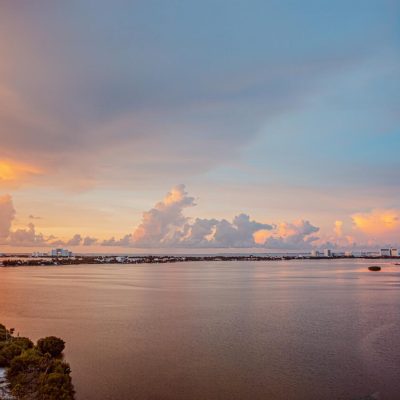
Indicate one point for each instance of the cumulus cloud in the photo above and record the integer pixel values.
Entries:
(292, 235)
(89, 241)
(27, 237)
(378, 222)
(165, 225)
(125, 241)
(75, 240)
(7, 214)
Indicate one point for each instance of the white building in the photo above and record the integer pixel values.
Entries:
(389, 252)
(314, 253)
(39, 254)
(61, 253)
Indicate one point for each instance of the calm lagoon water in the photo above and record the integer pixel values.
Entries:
(218, 330)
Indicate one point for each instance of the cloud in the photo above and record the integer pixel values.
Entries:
(31, 216)
(163, 224)
(239, 233)
(377, 226)
(377, 222)
(89, 241)
(7, 214)
(27, 237)
(208, 103)
(166, 226)
(125, 241)
(13, 173)
(292, 235)
(75, 240)
(338, 229)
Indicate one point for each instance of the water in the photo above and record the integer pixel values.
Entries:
(219, 330)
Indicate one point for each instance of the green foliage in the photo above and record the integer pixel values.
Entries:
(30, 361)
(35, 372)
(23, 342)
(11, 348)
(56, 385)
(3, 333)
(52, 345)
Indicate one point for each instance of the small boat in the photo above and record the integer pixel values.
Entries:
(396, 263)
(374, 268)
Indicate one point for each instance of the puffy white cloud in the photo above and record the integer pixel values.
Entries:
(239, 233)
(166, 226)
(163, 224)
(7, 214)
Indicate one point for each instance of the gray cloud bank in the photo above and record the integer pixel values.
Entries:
(119, 83)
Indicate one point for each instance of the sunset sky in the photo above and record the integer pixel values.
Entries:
(199, 125)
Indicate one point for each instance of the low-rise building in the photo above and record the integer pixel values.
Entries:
(389, 252)
(61, 253)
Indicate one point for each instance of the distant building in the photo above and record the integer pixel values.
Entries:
(327, 253)
(39, 254)
(61, 253)
(389, 252)
(348, 254)
(314, 253)
(385, 253)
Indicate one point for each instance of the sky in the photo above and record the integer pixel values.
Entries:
(199, 125)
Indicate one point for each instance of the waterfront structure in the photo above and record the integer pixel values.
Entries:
(36, 254)
(389, 252)
(327, 253)
(61, 253)
(314, 253)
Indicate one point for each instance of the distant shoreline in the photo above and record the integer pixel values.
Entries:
(15, 261)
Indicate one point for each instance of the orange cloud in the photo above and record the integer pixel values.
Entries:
(338, 228)
(261, 236)
(13, 172)
(377, 222)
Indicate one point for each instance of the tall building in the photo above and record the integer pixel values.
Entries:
(394, 252)
(327, 253)
(314, 253)
(61, 253)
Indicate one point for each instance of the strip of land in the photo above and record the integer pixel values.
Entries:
(15, 261)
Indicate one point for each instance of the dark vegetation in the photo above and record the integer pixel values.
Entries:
(35, 372)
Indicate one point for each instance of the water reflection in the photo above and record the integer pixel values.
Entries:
(279, 330)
